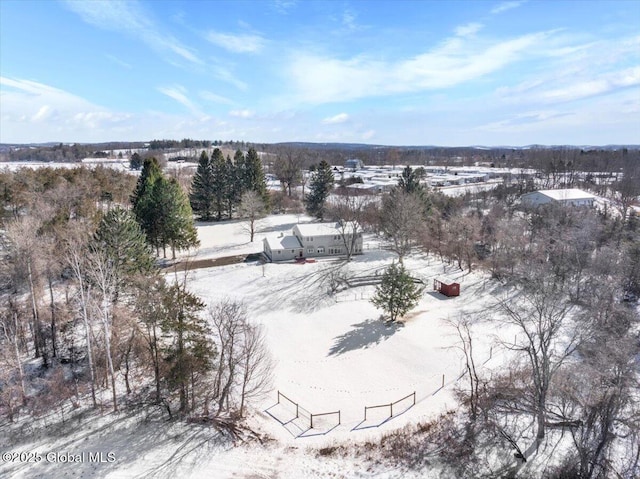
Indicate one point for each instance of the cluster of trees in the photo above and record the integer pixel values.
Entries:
(82, 295)
(221, 185)
(184, 143)
(163, 211)
(574, 274)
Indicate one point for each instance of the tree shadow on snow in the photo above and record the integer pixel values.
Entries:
(365, 334)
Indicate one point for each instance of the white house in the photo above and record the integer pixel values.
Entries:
(353, 164)
(313, 240)
(571, 196)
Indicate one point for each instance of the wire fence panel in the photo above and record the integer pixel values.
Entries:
(325, 420)
(404, 404)
(379, 412)
(288, 403)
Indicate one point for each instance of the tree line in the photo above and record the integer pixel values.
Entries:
(84, 301)
(219, 185)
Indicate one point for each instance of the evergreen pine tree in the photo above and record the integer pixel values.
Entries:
(239, 161)
(202, 195)
(145, 210)
(409, 181)
(174, 223)
(150, 173)
(232, 187)
(219, 187)
(135, 162)
(124, 243)
(254, 176)
(190, 351)
(397, 293)
(320, 187)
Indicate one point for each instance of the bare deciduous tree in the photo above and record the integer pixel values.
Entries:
(257, 366)
(287, 167)
(540, 315)
(349, 211)
(403, 220)
(243, 367)
(75, 251)
(252, 210)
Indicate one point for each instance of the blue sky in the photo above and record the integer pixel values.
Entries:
(396, 73)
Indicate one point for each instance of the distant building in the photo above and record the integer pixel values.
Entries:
(353, 164)
(310, 240)
(571, 196)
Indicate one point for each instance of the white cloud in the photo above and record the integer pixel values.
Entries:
(339, 118)
(320, 79)
(367, 135)
(469, 29)
(43, 113)
(119, 62)
(128, 17)
(283, 6)
(179, 94)
(60, 115)
(591, 87)
(242, 113)
(240, 43)
(504, 6)
(215, 98)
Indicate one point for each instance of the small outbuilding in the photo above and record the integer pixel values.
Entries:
(446, 286)
(571, 197)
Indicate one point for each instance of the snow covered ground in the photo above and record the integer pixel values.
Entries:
(332, 353)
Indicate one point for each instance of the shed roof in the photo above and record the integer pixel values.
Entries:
(567, 194)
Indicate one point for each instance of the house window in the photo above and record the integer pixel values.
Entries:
(309, 250)
(278, 251)
(293, 251)
(320, 249)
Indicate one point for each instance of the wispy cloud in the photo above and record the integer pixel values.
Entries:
(242, 113)
(504, 6)
(57, 113)
(339, 118)
(322, 79)
(522, 119)
(128, 17)
(179, 94)
(215, 98)
(367, 135)
(586, 88)
(119, 62)
(236, 43)
(283, 6)
(469, 29)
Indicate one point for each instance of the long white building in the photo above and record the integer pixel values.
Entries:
(570, 196)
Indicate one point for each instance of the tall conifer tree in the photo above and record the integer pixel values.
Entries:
(202, 195)
(321, 185)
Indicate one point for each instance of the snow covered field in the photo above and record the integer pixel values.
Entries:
(332, 353)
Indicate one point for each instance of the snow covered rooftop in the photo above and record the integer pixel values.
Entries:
(318, 229)
(283, 242)
(567, 194)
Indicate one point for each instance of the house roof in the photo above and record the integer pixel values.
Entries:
(322, 229)
(567, 194)
(317, 229)
(283, 242)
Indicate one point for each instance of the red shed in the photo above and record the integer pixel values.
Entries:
(446, 286)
